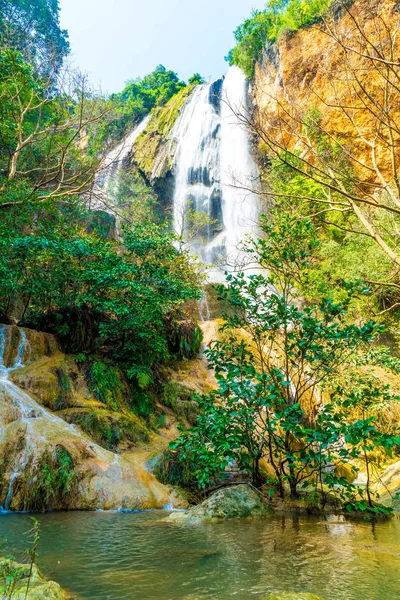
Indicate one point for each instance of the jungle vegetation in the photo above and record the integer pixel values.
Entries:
(62, 267)
(265, 26)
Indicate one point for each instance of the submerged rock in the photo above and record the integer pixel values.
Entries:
(291, 596)
(236, 502)
(15, 578)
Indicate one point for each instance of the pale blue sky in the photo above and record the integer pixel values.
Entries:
(116, 40)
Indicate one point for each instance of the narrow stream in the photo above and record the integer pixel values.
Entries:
(136, 556)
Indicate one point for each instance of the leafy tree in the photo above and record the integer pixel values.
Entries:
(267, 25)
(274, 358)
(196, 79)
(33, 28)
(251, 37)
(346, 178)
(95, 293)
(41, 151)
(138, 98)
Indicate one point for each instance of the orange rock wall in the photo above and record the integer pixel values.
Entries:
(308, 69)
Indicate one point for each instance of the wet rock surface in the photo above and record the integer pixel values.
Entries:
(34, 436)
(388, 487)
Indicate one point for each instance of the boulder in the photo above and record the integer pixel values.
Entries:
(15, 577)
(236, 502)
(291, 596)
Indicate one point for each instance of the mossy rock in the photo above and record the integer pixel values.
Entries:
(108, 428)
(291, 596)
(236, 502)
(179, 398)
(152, 156)
(18, 576)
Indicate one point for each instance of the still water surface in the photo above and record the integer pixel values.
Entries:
(135, 556)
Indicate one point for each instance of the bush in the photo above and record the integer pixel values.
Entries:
(170, 469)
(48, 481)
(109, 429)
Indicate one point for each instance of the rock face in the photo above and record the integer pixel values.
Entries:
(306, 69)
(389, 486)
(154, 150)
(35, 440)
(236, 502)
(15, 577)
(291, 596)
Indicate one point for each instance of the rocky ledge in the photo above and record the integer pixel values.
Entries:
(236, 502)
(23, 582)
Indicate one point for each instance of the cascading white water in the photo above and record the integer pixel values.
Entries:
(9, 387)
(197, 170)
(28, 409)
(238, 170)
(213, 167)
(105, 186)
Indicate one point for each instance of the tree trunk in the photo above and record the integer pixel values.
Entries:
(293, 487)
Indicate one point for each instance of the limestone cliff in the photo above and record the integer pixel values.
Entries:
(330, 67)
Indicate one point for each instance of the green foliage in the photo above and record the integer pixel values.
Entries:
(39, 129)
(185, 338)
(64, 386)
(170, 469)
(110, 429)
(271, 364)
(33, 28)
(196, 79)
(267, 25)
(106, 383)
(138, 98)
(136, 199)
(49, 480)
(342, 252)
(92, 295)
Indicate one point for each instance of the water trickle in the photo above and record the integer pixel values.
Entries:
(3, 368)
(204, 309)
(238, 170)
(28, 409)
(23, 346)
(215, 173)
(105, 187)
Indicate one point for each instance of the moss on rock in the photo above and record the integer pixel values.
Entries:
(23, 582)
(153, 152)
(236, 502)
(109, 429)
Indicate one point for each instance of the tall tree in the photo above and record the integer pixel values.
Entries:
(33, 27)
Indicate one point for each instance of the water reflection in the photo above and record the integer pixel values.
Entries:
(136, 556)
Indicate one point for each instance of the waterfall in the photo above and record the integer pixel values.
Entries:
(29, 410)
(106, 183)
(204, 309)
(238, 170)
(213, 212)
(29, 430)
